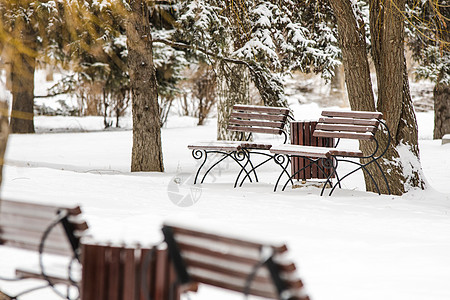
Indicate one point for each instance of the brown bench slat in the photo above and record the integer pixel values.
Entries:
(259, 108)
(26, 274)
(362, 122)
(254, 116)
(34, 209)
(216, 145)
(353, 114)
(343, 135)
(260, 278)
(263, 290)
(260, 146)
(306, 151)
(256, 123)
(348, 128)
(342, 152)
(254, 129)
(229, 240)
(35, 247)
(250, 261)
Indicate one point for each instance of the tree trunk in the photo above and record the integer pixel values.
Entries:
(394, 100)
(22, 89)
(233, 88)
(441, 95)
(4, 132)
(147, 150)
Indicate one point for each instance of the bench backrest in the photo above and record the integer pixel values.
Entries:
(258, 119)
(23, 224)
(360, 125)
(249, 267)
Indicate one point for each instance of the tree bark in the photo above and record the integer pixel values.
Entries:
(147, 149)
(22, 88)
(441, 95)
(394, 99)
(233, 88)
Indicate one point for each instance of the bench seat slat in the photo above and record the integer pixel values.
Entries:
(230, 283)
(232, 241)
(254, 129)
(25, 274)
(251, 123)
(349, 128)
(259, 146)
(254, 116)
(343, 135)
(260, 108)
(307, 151)
(353, 114)
(216, 146)
(34, 209)
(362, 122)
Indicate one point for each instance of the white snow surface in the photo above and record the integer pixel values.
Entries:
(353, 245)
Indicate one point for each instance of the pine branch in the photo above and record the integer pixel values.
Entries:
(178, 45)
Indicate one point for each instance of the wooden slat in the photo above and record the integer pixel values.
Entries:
(349, 128)
(259, 146)
(260, 292)
(233, 272)
(34, 209)
(307, 151)
(162, 275)
(240, 122)
(115, 279)
(353, 114)
(217, 146)
(255, 116)
(362, 122)
(307, 141)
(230, 240)
(259, 108)
(314, 142)
(343, 152)
(344, 135)
(129, 274)
(254, 129)
(21, 273)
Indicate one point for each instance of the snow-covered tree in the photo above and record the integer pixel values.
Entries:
(267, 39)
(429, 38)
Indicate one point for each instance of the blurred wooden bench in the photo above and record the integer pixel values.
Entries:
(244, 119)
(357, 125)
(232, 263)
(42, 229)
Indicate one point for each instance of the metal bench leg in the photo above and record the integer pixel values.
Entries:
(198, 154)
(281, 160)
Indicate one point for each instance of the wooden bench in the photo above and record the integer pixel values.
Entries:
(245, 119)
(242, 265)
(358, 125)
(42, 229)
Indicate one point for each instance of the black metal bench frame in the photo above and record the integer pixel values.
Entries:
(352, 124)
(62, 216)
(245, 119)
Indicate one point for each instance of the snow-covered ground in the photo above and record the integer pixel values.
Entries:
(352, 245)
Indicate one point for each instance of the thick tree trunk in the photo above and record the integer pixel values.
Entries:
(441, 95)
(22, 89)
(394, 102)
(147, 150)
(233, 88)
(394, 98)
